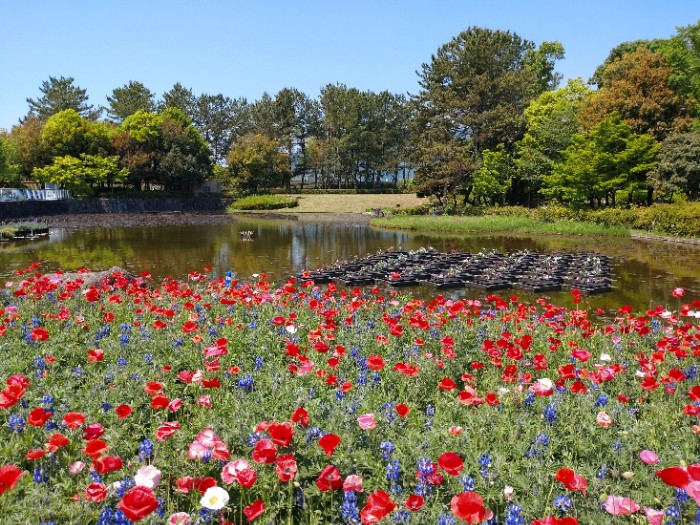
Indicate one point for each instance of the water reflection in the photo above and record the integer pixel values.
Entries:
(644, 272)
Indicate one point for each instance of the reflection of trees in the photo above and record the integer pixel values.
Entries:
(644, 272)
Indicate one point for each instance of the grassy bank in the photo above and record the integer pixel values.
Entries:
(493, 223)
(351, 203)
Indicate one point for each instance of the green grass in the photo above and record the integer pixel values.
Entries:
(264, 202)
(492, 223)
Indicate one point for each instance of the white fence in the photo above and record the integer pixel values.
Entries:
(23, 194)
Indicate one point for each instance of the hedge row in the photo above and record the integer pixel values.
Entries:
(681, 219)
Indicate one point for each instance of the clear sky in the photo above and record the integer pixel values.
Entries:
(243, 49)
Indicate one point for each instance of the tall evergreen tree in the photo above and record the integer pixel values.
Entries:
(59, 94)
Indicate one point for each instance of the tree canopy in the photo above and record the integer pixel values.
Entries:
(59, 94)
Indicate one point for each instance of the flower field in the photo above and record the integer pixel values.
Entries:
(207, 401)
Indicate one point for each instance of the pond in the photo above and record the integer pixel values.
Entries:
(643, 272)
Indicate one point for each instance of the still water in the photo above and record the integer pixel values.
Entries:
(644, 272)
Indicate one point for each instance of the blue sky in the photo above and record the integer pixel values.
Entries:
(242, 49)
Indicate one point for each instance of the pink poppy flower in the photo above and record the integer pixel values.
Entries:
(367, 421)
(655, 517)
(353, 483)
(620, 505)
(649, 457)
(603, 419)
(147, 476)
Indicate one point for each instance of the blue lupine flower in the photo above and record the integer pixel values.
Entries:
(148, 358)
(246, 383)
(124, 340)
(562, 503)
(387, 448)
(124, 486)
(349, 510)
(254, 438)
(542, 439)
(259, 362)
(106, 407)
(16, 423)
(393, 471)
(339, 395)
(402, 516)
(550, 413)
(513, 516)
(40, 475)
(446, 519)
(145, 449)
(121, 362)
(601, 401)
(467, 484)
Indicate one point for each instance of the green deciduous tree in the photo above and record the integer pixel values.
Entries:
(679, 166)
(256, 164)
(81, 175)
(551, 122)
(129, 99)
(28, 145)
(163, 149)
(598, 164)
(10, 172)
(493, 179)
(59, 94)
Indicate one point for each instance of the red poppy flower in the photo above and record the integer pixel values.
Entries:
(123, 411)
(281, 433)
(38, 417)
(378, 505)
(159, 402)
(301, 416)
(328, 443)
(571, 480)
(159, 325)
(254, 510)
(93, 431)
(247, 478)
(686, 478)
(167, 429)
(96, 355)
(468, 506)
(107, 464)
(9, 476)
(286, 468)
(39, 334)
(35, 454)
(95, 492)
(189, 326)
(138, 503)
(451, 463)
(58, 440)
(264, 451)
(553, 520)
(447, 383)
(11, 394)
(95, 448)
(153, 387)
(375, 362)
(73, 419)
(402, 409)
(415, 502)
(329, 479)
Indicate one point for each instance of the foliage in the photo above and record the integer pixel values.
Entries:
(679, 166)
(551, 122)
(256, 164)
(129, 99)
(221, 121)
(59, 94)
(10, 174)
(163, 149)
(26, 138)
(80, 175)
(638, 87)
(602, 162)
(264, 202)
(493, 179)
(472, 98)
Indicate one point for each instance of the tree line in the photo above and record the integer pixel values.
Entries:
(489, 125)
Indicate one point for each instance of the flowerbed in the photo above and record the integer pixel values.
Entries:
(213, 402)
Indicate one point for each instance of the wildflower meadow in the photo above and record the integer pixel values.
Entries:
(213, 401)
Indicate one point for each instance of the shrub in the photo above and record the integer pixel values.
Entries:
(265, 202)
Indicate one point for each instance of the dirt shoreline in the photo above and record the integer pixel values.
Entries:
(148, 219)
